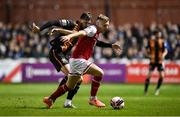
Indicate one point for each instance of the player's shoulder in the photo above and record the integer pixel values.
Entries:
(91, 30)
(92, 26)
(65, 22)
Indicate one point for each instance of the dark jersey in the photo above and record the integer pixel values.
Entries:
(56, 43)
(156, 48)
(63, 23)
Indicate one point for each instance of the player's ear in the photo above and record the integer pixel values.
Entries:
(97, 22)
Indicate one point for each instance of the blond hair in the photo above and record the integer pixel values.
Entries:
(103, 18)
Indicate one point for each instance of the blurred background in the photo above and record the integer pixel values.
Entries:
(24, 55)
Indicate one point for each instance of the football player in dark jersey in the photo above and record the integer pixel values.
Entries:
(157, 50)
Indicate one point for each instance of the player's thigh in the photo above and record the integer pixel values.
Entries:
(95, 70)
(161, 74)
(65, 69)
(59, 61)
(72, 81)
(161, 70)
(149, 73)
(152, 66)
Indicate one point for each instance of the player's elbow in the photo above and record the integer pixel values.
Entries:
(82, 33)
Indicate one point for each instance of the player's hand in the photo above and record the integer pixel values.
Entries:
(117, 48)
(65, 39)
(35, 28)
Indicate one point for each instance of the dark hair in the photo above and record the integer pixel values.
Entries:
(86, 16)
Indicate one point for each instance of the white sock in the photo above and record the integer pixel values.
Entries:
(93, 97)
(67, 102)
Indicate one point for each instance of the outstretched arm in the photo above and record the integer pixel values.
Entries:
(60, 30)
(165, 52)
(37, 29)
(67, 38)
(115, 46)
(103, 44)
(58, 23)
(90, 31)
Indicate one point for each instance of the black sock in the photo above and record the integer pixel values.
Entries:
(63, 81)
(159, 83)
(71, 93)
(147, 81)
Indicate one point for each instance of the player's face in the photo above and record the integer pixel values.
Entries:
(85, 23)
(103, 26)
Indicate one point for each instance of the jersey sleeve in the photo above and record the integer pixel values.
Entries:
(103, 44)
(90, 31)
(66, 23)
(58, 23)
(49, 24)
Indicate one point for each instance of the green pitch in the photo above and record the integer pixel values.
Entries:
(26, 99)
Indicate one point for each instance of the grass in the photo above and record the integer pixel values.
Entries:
(26, 100)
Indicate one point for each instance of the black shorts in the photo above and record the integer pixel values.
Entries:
(58, 59)
(152, 66)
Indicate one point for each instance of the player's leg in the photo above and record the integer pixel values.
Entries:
(61, 65)
(74, 79)
(65, 70)
(147, 81)
(98, 74)
(72, 88)
(70, 84)
(71, 94)
(160, 80)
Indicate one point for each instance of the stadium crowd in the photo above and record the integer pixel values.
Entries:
(17, 41)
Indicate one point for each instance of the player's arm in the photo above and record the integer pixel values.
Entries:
(37, 29)
(103, 44)
(58, 23)
(74, 35)
(117, 48)
(90, 31)
(60, 30)
(165, 50)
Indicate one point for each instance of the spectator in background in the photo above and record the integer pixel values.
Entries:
(17, 41)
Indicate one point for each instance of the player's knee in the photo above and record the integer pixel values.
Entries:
(63, 81)
(72, 81)
(79, 82)
(101, 73)
(161, 74)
